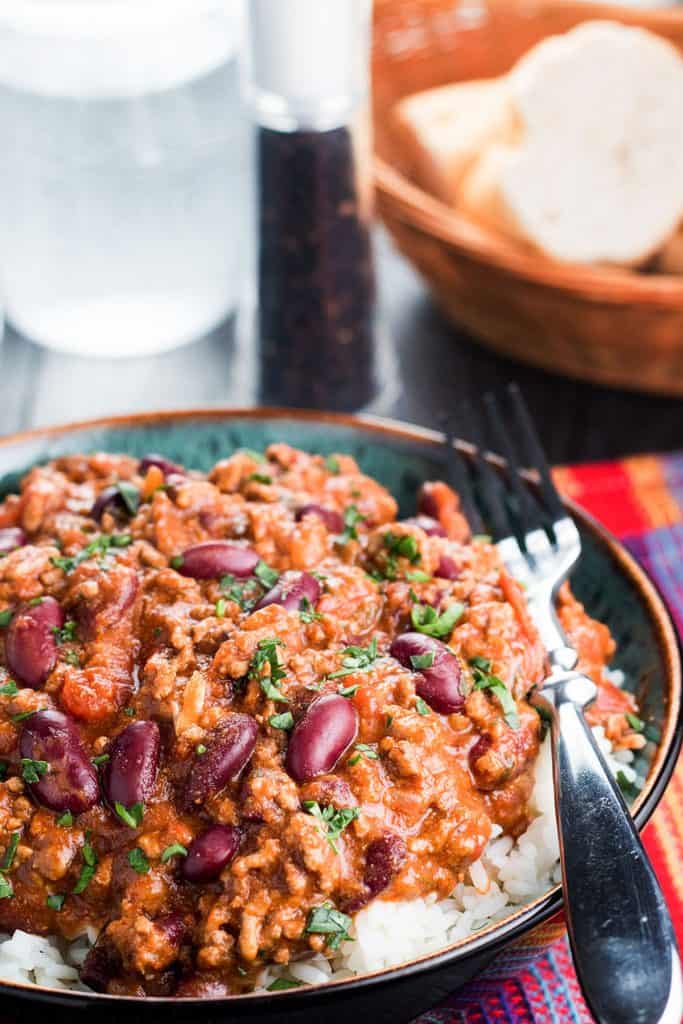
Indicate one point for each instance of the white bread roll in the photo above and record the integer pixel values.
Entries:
(597, 175)
(444, 130)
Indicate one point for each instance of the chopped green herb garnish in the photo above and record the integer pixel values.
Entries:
(102, 545)
(67, 633)
(352, 517)
(356, 659)
(6, 617)
(9, 688)
(420, 661)
(244, 593)
(131, 816)
(332, 464)
(421, 707)
(138, 861)
(363, 750)
(129, 712)
(628, 788)
(10, 852)
(505, 698)
(307, 612)
(130, 495)
(284, 721)
(404, 546)
(6, 890)
(100, 759)
(35, 602)
(260, 478)
(331, 821)
(220, 608)
(266, 654)
(22, 716)
(55, 900)
(389, 721)
(281, 984)
(417, 576)
(427, 620)
(482, 664)
(88, 869)
(266, 576)
(325, 920)
(200, 749)
(72, 658)
(636, 724)
(176, 562)
(33, 771)
(66, 820)
(174, 850)
(348, 691)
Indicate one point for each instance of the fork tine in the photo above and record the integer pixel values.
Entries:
(534, 453)
(530, 513)
(489, 484)
(458, 476)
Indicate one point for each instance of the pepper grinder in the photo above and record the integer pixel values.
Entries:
(306, 84)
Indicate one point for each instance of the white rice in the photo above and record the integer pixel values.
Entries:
(509, 874)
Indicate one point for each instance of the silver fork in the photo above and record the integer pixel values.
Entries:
(621, 934)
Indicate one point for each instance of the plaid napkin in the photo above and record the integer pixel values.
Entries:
(641, 501)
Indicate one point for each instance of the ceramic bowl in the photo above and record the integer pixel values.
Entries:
(608, 581)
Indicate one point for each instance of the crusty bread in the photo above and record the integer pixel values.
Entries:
(578, 151)
(444, 130)
(670, 259)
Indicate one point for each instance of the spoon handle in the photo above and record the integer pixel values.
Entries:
(621, 934)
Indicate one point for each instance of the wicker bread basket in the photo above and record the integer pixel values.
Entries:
(616, 327)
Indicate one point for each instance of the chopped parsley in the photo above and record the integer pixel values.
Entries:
(482, 664)
(484, 681)
(102, 545)
(307, 612)
(138, 861)
(332, 464)
(130, 496)
(636, 724)
(244, 593)
(100, 759)
(10, 852)
(176, 562)
(404, 546)
(67, 633)
(6, 617)
(129, 712)
(266, 576)
(33, 771)
(331, 821)
(421, 707)
(284, 721)
(55, 900)
(326, 920)
(356, 659)
(9, 689)
(281, 984)
(348, 691)
(220, 608)
(22, 716)
(427, 620)
(260, 478)
(200, 749)
(174, 850)
(266, 654)
(420, 661)
(363, 750)
(628, 788)
(66, 820)
(35, 601)
(417, 576)
(352, 517)
(6, 890)
(131, 816)
(88, 869)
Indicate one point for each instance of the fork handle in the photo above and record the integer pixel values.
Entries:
(620, 931)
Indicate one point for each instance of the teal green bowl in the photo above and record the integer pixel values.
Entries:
(608, 581)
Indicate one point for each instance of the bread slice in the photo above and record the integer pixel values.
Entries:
(598, 173)
(444, 130)
(670, 260)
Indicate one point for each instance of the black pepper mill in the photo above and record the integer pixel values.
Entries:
(307, 86)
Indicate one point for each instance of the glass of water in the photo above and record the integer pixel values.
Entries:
(122, 171)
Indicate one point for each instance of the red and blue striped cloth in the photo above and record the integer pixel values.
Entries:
(641, 501)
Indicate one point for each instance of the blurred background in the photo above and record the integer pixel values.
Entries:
(192, 214)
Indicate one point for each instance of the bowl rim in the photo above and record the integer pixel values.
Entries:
(495, 936)
(401, 198)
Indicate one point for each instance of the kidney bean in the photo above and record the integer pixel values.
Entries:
(384, 858)
(214, 558)
(440, 685)
(70, 784)
(228, 749)
(329, 516)
(329, 789)
(165, 465)
(319, 739)
(102, 963)
(11, 537)
(447, 568)
(129, 776)
(173, 927)
(477, 751)
(432, 527)
(210, 852)
(291, 590)
(427, 504)
(31, 644)
(111, 500)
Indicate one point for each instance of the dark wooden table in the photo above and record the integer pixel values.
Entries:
(426, 367)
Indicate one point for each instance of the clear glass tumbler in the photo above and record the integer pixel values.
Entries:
(122, 171)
